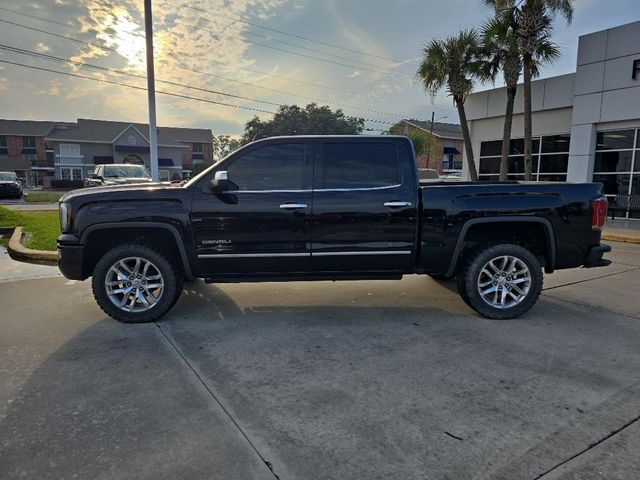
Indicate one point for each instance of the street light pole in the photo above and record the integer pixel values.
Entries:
(151, 91)
(433, 114)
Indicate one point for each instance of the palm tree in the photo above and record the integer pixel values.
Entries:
(535, 25)
(453, 62)
(502, 52)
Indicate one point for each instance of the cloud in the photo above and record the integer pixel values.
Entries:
(42, 48)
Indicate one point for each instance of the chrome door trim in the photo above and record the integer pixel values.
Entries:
(293, 206)
(364, 189)
(397, 204)
(370, 252)
(253, 255)
(303, 254)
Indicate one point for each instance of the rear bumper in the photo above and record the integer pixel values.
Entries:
(594, 257)
(71, 258)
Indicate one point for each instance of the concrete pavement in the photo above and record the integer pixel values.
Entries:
(324, 380)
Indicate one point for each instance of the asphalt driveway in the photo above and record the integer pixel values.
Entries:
(324, 380)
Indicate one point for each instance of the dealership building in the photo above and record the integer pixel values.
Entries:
(586, 125)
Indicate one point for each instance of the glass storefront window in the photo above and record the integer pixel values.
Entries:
(550, 155)
(613, 161)
(615, 140)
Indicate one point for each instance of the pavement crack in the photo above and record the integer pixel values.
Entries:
(216, 399)
(589, 447)
(453, 436)
(590, 279)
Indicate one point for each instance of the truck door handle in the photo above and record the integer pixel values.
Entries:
(293, 206)
(397, 204)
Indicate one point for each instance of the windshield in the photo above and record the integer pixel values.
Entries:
(8, 176)
(135, 171)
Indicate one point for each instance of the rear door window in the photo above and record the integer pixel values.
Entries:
(359, 165)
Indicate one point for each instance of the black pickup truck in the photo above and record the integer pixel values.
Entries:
(326, 208)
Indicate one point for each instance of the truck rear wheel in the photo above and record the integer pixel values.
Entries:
(135, 283)
(501, 281)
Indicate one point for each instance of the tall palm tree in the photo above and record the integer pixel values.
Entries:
(453, 62)
(535, 25)
(502, 52)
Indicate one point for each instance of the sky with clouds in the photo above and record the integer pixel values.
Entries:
(357, 55)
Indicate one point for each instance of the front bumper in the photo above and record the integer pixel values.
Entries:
(71, 257)
(594, 256)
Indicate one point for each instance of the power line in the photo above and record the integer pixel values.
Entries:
(271, 38)
(135, 87)
(54, 58)
(120, 72)
(33, 16)
(282, 32)
(338, 104)
(291, 52)
(103, 47)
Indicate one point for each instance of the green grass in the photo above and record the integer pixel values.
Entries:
(41, 228)
(43, 197)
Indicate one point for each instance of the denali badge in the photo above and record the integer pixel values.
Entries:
(215, 242)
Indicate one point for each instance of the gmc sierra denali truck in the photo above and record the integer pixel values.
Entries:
(326, 208)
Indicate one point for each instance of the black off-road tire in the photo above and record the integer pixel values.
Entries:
(171, 274)
(467, 280)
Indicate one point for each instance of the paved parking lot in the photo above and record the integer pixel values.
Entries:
(324, 381)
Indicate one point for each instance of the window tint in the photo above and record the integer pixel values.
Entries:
(615, 140)
(555, 143)
(360, 165)
(272, 167)
(613, 161)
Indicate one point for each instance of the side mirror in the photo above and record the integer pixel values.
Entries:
(221, 182)
(95, 176)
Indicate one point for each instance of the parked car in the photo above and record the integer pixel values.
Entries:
(117, 174)
(326, 208)
(10, 185)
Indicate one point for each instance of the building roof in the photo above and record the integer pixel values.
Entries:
(27, 128)
(107, 131)
(444, 130)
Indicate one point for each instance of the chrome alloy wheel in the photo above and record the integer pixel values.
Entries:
(134, 284)
(504, 282)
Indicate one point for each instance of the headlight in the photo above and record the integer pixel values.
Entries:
(65, 217)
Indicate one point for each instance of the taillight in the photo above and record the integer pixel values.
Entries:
(599, 213)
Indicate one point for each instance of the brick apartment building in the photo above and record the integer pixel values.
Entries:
(448, 148)
(39, 151)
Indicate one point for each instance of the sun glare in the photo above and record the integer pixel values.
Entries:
(130, 43)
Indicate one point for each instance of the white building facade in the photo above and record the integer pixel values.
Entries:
(586, 125)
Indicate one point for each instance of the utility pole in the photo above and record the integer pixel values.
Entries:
(433, 114)
(151, 91)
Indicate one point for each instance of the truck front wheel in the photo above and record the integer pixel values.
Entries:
(135, 283)
(500, 281)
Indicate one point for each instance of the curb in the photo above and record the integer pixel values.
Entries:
(19, 251)
(612, 237)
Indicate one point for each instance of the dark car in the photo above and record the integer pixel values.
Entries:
(10, 185)
(327, 208)
(117, 174)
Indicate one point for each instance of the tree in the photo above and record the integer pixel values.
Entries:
(501, 52)
(453, 63)
(311, 120)
(224, 145)
(535, 26)
(423, 143)
(198, 167)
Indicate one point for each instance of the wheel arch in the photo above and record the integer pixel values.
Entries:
(511, 222)
(161, 235)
